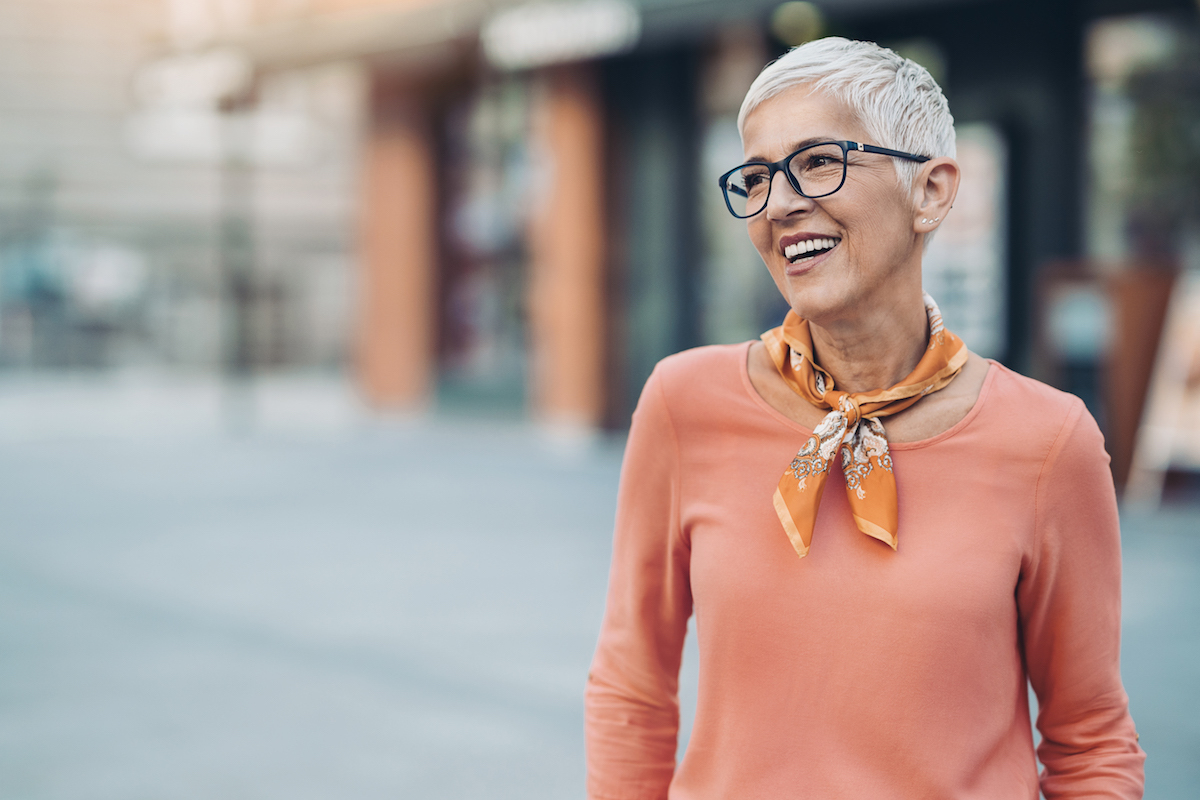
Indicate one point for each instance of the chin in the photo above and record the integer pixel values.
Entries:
(816, 302)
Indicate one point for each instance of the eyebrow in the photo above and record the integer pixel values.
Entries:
(797, 145)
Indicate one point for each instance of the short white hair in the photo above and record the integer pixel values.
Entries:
(895, 99)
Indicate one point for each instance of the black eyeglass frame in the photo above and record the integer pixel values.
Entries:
(784, 165)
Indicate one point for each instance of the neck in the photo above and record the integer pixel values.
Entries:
(873, 351)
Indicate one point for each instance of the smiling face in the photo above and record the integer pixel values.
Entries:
(836, 258)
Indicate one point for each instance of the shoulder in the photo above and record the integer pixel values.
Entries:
(698, 371)
(693, 385)
(1040, 415)
(683, 395)
(1012, 389)
(714, 360)
(1018, 388)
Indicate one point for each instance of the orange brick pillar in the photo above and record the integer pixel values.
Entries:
(399, 254)
(567, 243)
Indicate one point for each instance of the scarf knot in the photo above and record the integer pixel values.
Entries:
(852, 430)
(848, 407)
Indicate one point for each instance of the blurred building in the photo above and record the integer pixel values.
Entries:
(512, 207)
(142, 226)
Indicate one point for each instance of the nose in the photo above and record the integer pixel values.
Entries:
(783, 200)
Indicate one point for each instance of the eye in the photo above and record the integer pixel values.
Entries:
(822, 160)
(755, 179)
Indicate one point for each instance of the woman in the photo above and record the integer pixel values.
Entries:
(871, 642)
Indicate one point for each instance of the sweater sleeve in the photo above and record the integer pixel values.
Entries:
(632, 700)
(1069, 598)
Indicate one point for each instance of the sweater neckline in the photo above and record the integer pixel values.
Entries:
(744, 368)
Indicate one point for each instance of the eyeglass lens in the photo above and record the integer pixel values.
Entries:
(817, 170)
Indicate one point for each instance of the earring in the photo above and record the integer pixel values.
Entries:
(930, 221)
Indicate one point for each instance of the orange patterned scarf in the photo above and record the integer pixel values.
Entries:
(851, 427)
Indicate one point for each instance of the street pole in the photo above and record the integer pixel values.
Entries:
(236, 263)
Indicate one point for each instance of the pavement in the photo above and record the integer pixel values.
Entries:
(275, 594)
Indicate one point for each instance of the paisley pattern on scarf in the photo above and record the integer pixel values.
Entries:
(851, 430)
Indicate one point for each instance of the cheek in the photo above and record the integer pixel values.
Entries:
(760, 236)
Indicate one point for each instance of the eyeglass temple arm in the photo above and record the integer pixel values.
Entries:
(883, 151)
(724, 183)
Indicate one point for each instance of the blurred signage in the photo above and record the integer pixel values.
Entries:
(178, 117)
(552, 33)
(193, 80)
(195, 23)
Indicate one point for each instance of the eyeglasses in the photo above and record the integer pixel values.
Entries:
(816, 170)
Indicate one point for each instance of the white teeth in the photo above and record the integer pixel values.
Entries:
(808, 246)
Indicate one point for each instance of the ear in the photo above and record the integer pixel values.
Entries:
(935, 190)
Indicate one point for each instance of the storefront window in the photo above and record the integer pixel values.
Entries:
(482, 352)
(964, 267)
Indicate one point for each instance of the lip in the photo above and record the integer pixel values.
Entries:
(800, 268)
(787, 241)
(807, 265)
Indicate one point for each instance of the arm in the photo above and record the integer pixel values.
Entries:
(632, 701)
(1069, 598)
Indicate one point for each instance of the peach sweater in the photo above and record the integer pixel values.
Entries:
(859, 672)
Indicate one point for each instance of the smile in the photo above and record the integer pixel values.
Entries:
(809, 248)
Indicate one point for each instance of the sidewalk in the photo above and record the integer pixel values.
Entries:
(1160, 652)
(358, 608)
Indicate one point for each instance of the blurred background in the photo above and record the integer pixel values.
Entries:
(321, 322)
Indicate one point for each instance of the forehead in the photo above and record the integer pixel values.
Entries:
(797, 114)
